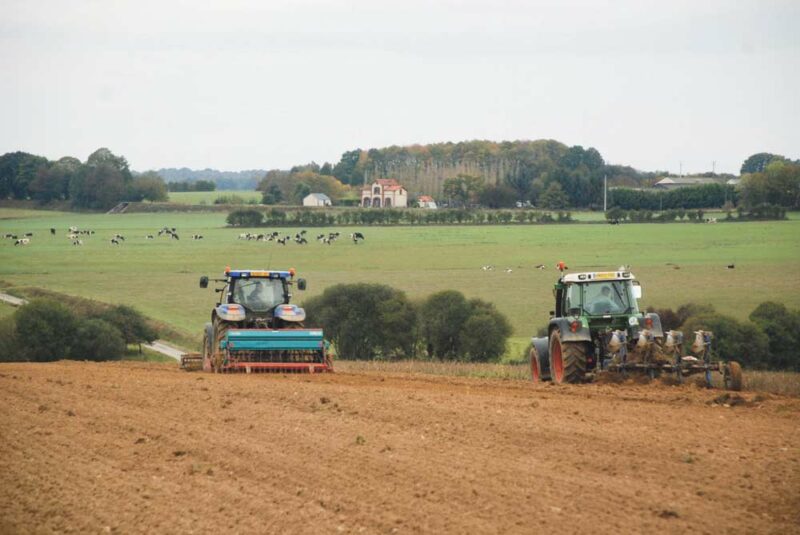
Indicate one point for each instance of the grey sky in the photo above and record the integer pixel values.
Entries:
(248, 84)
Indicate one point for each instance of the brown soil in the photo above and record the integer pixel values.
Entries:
(131, 448)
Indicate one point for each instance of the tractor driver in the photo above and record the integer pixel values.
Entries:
(260, 295)
(604, 302)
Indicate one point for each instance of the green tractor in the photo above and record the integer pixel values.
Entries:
(254, 327)
(597, 327)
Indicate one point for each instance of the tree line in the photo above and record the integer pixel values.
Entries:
(101, 182)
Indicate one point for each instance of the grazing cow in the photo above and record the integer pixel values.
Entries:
(282, 241)
(29, 234)
(149, 237)
(72, 236)
(174, 236)
(487, 267)
(73, 229)
(300, 240)
(114, 241)
(320, 237)
(23, 241)
(8, 235)
(540, 267)
(730, 266)
(197, 237)
(52, 232)
(77, 242)
(509, 270)
(355, 236)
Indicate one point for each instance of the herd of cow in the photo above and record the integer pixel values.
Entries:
(76, 236)
(299, 238)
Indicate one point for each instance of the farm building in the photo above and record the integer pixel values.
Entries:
(675, 182)
(426, 201)
(384, 193)
(316, 199)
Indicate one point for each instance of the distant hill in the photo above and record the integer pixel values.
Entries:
(225, 180)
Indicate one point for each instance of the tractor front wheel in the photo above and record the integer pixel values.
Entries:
(567, 359)
(217, 354)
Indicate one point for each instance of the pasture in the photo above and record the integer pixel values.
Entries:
(208, 197)
(159, 277)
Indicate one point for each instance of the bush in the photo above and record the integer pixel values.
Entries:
(95, 339)
(131, 324)
(45, 330)
(733, 340)
(365, 321)
(484, 334)
(9, 349)
(442, 318)
(453, 327)
(245, 218)
(782, 327)
(229, 199)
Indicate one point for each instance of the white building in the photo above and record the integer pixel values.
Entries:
(316, 199)
(426, 201)
(384, 193)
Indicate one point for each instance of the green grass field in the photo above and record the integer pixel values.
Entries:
(159, 277)
(208, 197)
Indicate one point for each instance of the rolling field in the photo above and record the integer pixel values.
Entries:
(159, 277)
(208, 197)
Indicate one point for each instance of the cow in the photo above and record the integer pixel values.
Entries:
(197, 237)
(149, 237)
(22, 241)
(72, 236)
(355, 236)
(114, 241)
(77, 242)
(174, 236)
(29, 234)
(52, 232)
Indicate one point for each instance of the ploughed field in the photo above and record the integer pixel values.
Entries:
(131, 448)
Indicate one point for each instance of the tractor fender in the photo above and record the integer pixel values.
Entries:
(542, 346)
(583, 334)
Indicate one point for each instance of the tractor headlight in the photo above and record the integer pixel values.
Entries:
(633, 321)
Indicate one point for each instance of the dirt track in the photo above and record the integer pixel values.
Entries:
(126, 447)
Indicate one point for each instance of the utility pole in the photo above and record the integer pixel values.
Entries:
(714, 167)
(605, 192)
(680, 172)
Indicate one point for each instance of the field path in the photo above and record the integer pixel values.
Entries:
(146, 448)
(159, 346)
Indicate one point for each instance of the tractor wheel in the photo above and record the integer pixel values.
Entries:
(733, 377)
(218, 355)
(536, 373)
(567, 359)
(207, 352)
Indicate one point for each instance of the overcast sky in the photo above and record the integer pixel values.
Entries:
(268, 84)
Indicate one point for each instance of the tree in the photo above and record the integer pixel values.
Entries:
(272, 195)
(97, 187)
(348, 170)
(10, 351)
(132, 325)
(104, 157)
(205, 185)
(17, 171)
(778, 184)
(463, 188)
(47, 329)
(52, 183)
(442, 319)
(148, 186)
(97, 340)
(498, 197)
(365, 321)
(484, 334)
(757, 163)
(554, 197)
(782, 327)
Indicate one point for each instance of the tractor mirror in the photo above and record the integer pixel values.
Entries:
(637, 290)
(204, 281)
(301, 284)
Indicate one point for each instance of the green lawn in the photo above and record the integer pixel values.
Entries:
(159, 277)
(208, 197)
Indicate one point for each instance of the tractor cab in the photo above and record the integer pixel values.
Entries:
(600, 294)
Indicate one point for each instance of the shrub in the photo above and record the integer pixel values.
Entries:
(245, 218)
(365, 321)
(442, 318)
(131, 324)
(95, 339)
(782, 327)
(9, 349)
(733, 340)
(44, 330)
(484, 334)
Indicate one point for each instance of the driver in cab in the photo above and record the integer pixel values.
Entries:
(604, 303)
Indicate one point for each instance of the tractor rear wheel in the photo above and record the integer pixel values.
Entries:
(207, 352)
(567, 359)
(733, 377)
